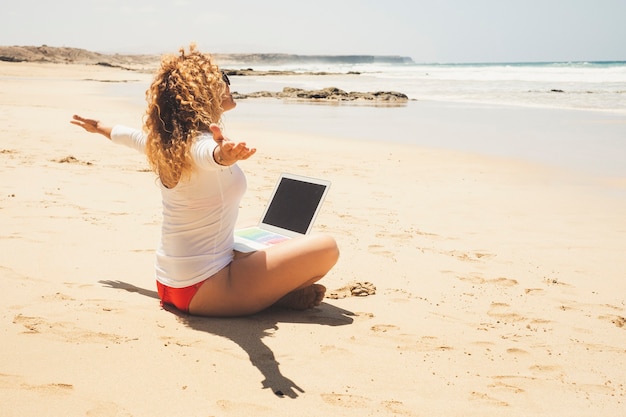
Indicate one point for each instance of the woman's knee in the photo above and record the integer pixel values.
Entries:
(327, 247)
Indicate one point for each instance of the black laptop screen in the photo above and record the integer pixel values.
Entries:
(294, 204)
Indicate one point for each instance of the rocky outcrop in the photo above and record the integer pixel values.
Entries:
(332, 94)
(63, 55)
(45, 53)
(148, 63)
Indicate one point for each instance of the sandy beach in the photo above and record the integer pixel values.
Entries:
(500, 283)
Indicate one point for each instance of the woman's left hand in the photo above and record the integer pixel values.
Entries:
(229, 152)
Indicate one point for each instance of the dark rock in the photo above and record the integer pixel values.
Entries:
(330, 94)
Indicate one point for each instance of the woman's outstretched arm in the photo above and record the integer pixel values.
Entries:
(122, 135)
(92, 126)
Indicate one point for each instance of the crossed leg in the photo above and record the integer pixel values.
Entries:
(284, 274)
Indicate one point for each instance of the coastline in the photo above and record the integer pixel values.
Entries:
(581, 141)
(499, 281)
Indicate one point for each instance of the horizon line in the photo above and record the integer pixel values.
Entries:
(351, 55)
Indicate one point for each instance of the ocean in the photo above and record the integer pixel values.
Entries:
(597, 86)
(565, 114)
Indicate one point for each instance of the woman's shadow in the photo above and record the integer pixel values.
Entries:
(249, 331)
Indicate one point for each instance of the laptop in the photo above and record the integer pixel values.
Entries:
(291, 211)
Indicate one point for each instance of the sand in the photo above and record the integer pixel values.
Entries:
(500, 284)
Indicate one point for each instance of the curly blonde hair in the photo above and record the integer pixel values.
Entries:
(184, 98)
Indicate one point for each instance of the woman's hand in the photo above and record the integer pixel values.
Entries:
(91, 125)
(229, 152)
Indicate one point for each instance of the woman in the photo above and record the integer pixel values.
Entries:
(197, 270)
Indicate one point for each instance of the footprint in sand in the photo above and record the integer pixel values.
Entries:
(516, 351)
(545, 368)
(502, 386)
(618, 321)
(19, 383)
(481, 396)
(383, 328)
(346, 400)
(554, 281)
(242, 408)
(397, 408)
(67, 331)
(380, 250)
(472, 256)
(71, 160)
(500, 281)
(57, 297)
(502, 312)
(356, 289)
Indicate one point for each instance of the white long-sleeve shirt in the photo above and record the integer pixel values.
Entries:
(199, 214)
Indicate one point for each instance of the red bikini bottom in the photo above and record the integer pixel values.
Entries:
(178, 297)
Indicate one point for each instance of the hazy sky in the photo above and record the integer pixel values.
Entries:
(425, 30)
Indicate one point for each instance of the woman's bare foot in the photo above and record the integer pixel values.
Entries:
(304, 298)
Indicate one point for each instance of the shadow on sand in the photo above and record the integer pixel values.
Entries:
(248, 332)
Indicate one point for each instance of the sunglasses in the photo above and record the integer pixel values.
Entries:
(225, 78)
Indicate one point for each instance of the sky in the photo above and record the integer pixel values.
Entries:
(445, 31)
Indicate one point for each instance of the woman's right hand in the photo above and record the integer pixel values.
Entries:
(91, 125)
